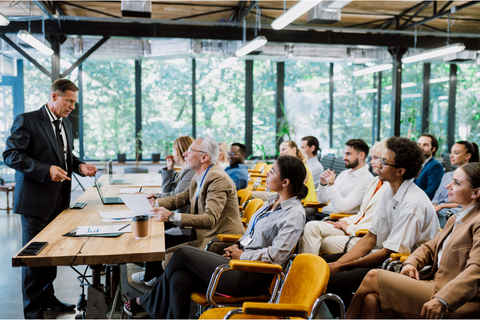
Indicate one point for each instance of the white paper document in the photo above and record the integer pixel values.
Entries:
(138, 203)
(115, 216)
(149, 184)
(130, 190)
(86, 230)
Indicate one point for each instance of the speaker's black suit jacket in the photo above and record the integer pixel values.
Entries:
(31, 150)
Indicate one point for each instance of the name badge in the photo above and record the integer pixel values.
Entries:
(246, 241)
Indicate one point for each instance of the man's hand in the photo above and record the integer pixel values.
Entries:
(334, 267)
(410, 271)
(438, 207)
(161, 214)
(433, 309)
(233, 252)
(327, 176)
(170, 162)
(151, 198)
(88, 169)
(336, 225)
(57, 174)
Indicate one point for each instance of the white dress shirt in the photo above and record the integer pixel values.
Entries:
(53, 117)
(404, 220)
(347, 192)
(316, 168)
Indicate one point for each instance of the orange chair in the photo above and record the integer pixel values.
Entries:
(244, 196)
(251, 208)
(259, 179)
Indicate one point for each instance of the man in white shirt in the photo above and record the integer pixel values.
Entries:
(405, 219)
(345, 193)
(311, 147)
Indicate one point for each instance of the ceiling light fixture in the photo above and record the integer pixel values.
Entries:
(251, 46)
(381, 67)
(227, 62)
(373, 90)
(437, 80)
(435, 53)
(4, 20)
(34, 42)
(293, 13)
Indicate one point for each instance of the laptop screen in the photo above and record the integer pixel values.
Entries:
(110, 171)
(98, 189)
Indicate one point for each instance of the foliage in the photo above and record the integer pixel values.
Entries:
(467, 122)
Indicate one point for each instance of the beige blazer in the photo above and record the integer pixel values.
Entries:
(369, 207)
(217, 208)
(457, 278)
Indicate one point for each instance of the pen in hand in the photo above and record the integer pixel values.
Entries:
(124, 227)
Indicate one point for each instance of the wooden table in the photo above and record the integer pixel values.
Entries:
(94, 251)
(139, 180)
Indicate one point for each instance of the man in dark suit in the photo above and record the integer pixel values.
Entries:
(40, 150)
(432, 170)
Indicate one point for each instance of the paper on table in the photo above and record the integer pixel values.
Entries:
(138, 203)
(117, 214)
(149, 184)
(129, 190)
(116, 219)
(85, 230)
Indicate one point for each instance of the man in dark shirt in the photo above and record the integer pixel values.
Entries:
(237, 171)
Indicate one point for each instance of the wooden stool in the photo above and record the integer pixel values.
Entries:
(7, 188)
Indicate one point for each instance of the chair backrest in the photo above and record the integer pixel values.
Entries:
(306, 280)
(135, 170)
(338, 166)
(327, 161)
(244, 195)
(267, 168)
(259, 166)
(251, 208)
(446, 163)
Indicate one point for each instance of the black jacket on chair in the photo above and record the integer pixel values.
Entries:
(31, 150)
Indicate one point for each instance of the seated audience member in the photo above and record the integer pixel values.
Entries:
(432, 170)
(462, 152)
(405, 219)
(223, 155)
(451, 287)
(237, 170)
(212, 198)
(277, 228)
(310, 148)
(330, 237)
(346, 193)
(172, 184)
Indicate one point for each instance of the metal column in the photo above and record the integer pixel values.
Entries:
(426, 97)
(80, 112)
(55, 43)
(194, 103)
(138, 106)
(330, 116)
(379, 106)
(397, 54)
(280, 100)
(452, 96)
(248, 106)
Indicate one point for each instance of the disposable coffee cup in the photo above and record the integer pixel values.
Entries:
(140, 226)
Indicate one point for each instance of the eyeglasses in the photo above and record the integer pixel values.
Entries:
(231, 154)
(384, 163)
(190, 150)
(375, 158)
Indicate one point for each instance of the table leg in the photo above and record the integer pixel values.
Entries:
(96, 300)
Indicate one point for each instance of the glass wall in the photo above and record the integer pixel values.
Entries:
(166, 104)
(411, 111)
(438, 117)
(36, 84)
(220, 100)
(386, 106)
(264, 111)
(109, 108)
(6, 114)
(467, 122)
(306, 100)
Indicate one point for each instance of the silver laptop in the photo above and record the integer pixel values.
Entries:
(115, 181)
(107, 200)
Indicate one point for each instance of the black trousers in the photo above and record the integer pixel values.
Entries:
(344, 283)
(189, 271)
(37, 282)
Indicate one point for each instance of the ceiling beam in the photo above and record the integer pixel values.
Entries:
(441, 14)
(427, 3)
(88, 9)
(143, 30)
(247, 11)
(201, 14)
(85, 56)
(45, 7)
(240, 5)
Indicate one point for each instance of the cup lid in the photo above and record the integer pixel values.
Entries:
(141, 218)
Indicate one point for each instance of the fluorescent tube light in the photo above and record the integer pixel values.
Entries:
(4, 20)
(477, 74)
(293, 13)
(430, 54)
(442, 97)
(443, 79)
(381, 67)
(373, 90)
(34, 42)
(413, 95)
(227, 62)
(251, 46)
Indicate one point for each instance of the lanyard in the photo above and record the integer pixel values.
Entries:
(258, 218)
(200, 186)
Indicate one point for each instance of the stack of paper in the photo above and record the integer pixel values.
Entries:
(92, 230)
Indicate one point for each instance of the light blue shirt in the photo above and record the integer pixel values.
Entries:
(441, 195)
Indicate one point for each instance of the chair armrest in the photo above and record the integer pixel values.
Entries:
(255, 266)
(310, 204)
(338, 216)
(229, 237)
(254, 171)
(258, 175)
(398, 256)
(361, 232)
(403, 259)
(275, 309)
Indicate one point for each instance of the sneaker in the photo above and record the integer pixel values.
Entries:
(138, 277)
(151, 282)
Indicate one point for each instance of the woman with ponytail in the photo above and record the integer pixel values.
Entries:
(462, 152)
(271, 236)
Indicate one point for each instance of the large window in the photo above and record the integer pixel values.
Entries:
(467, 124)
(166, 104)
(109, 108)
(36, 85)
(264, 111)
(386, 106)
(6, 114)
(411, 110)
(306, 100)
(220, 100)
(439, 104)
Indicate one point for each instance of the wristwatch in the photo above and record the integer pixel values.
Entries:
(330, 183)
(171, 218)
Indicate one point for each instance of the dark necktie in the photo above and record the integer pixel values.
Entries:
(60, 142)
